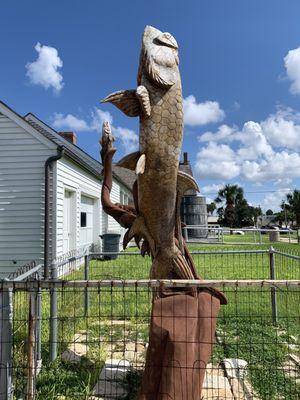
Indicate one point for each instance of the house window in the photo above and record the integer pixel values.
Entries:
(83, 219)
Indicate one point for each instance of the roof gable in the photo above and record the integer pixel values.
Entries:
(74, 152)
(71, 150)
(20, 121)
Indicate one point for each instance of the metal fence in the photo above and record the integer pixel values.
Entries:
(102, 353)
(258, 236)
(60, 338)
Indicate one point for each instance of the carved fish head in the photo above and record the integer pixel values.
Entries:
(159, 57)
(106, 140)
(107, 136)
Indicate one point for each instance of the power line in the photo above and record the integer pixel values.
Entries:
(256, 192)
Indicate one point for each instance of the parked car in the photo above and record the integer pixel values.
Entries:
(269, 227)
(285, 231)
(237, 232)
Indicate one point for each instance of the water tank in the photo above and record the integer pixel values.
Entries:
(194, 212)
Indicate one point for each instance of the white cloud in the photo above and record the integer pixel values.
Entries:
(292, 65)
(273, 200)
(45, 70)
(213, 188)
(69, 122)
(224, 132)
(259, 152)
(128, 137)
(279, 166)
(251, 137)
(283, 182)
(254, 142)
(197, 114)
(216, 162)
(98, 117)
(282, 129)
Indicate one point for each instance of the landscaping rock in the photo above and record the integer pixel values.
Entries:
(235, 367)
(77, 349)
(113, 372)
(216, 381)
(216, 394)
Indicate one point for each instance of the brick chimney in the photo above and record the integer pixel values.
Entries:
(69, 136)
(185, 158)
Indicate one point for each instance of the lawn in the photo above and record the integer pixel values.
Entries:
(257, 238)
(244, 325)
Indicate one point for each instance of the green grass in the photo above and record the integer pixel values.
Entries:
(256, 238)
(245, 323)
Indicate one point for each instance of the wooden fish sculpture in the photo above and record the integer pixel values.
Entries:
(157, 101)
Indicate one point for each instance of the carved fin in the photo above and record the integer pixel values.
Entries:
(129, 161)
(139, 229)
(143, 96)
(181, 267)
(145, 248)
(126, 100)
(185, 182)
(135, 230)
(140, 166)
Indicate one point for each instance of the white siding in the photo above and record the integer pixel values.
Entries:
(70, 176)
(109, 225)
(22, 159)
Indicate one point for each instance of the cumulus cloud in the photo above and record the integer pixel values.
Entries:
(197, 114)
(282, 129)
(254, 142)
(213, 188)
(128, 137)
(279, 166)
(292, 66)
(273, 200)
(69, 122)
(224, 132)
(216, 162)
(44, 70)
(259, 152)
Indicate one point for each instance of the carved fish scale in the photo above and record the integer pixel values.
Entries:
(158, 102)
(160, 141)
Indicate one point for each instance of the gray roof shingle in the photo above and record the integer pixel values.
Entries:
(74, 152)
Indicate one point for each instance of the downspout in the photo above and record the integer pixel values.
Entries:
(48, 165)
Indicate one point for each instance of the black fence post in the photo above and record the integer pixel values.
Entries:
(6, 317)
(31, 346)
(273, 289)
(53, 317)
(39, 330)
(86, 278)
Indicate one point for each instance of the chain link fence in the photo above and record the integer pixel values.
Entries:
(85, 335)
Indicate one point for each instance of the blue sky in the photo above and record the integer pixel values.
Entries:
(240, 67)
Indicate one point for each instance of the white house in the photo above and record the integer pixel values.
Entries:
(49, 193)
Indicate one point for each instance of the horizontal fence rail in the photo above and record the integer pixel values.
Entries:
(224, 235)
(146, 283)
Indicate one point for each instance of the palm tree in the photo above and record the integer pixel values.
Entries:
(211, 207)
(292, 204)
(231, 195)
